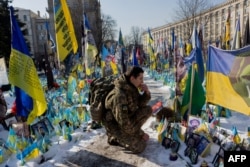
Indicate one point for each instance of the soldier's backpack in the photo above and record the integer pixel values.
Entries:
(99, 89)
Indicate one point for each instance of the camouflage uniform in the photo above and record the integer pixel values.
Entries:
(127, 111)
(3, 105)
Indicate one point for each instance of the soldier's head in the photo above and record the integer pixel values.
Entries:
(135, 75)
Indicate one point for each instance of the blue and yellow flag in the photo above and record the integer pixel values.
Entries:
(134, 58)
(90, 48)
(104, 54)
(30, 99)
(235, 136)
(150, 38)
(29, 152)
(228, 79)
(65, 33)
(237, 37)
(228, 32)
(152, 56)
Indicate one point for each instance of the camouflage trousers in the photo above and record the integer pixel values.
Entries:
(134, 143)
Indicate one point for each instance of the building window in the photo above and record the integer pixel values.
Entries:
(245, 10)
(246, 3)
(24, 18)
(216, 14)
(237, 6)
(223, 17)
(238, 13)
(86, 5)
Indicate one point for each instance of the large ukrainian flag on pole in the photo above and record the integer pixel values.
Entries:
(90, 48)
(65, 33)
(30, 99)
(228, 79)
(151, 51)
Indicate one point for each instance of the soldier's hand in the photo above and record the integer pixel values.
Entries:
(144, 88)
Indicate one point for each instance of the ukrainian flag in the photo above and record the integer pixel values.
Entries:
(29, 153)
(65, 33)
(104, 54)
(228, 78)
(30, 99)
(151, 51)
(228, 32)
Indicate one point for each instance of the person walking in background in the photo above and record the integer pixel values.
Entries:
(127, 111)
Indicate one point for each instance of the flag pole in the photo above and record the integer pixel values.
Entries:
(57, 55)
(83, 50)
(191, 93)
(176, 81)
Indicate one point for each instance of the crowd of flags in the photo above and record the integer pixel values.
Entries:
(190, 54)
(203, 63)
(30, 98)
(225, 72)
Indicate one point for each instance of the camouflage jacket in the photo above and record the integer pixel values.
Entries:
(124, 101)
(3, 105)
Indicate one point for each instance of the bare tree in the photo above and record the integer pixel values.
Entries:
(189, 10)
(126, 40)
(135, 35)
(108, 28)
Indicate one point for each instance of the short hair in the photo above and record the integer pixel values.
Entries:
(134, 71)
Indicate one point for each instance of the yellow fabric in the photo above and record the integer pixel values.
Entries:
(24, 76)
(237, 139)
(114, 67)
(65, 33)
(188, 49)
(224, 94)
(33, 154)
(227, 35)
(91, 51)
(151, 53)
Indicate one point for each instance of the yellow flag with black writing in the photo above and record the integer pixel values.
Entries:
(65, 34)
(30, 98)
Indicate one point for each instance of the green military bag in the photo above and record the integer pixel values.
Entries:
(99, 89)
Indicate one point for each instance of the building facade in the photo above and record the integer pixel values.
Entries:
(212, 20)
(37, 30)
(36, 35)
